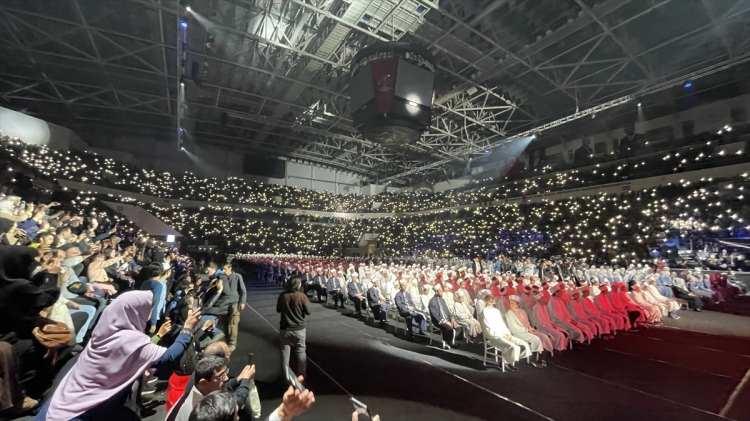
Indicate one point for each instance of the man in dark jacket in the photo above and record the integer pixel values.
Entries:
(442, 318)
(236, 295)
(407, 310)
(292, 305)
(377, 304)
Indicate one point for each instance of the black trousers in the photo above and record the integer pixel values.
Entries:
(338, 298)
(448, 332)
(322, 293)
(633, 316)
(379, 312)
(694, 302)
(359, 304)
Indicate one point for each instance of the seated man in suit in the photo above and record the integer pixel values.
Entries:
(334, 286)
(377, 303)
(442, 318)
(354, 290)
(408, 310)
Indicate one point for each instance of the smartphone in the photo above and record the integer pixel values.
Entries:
(360, 407)
(250, 358)
(292, 380)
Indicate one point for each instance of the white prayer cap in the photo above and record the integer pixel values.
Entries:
(515, 298)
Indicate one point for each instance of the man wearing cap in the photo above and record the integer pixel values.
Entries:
(593, 311)
(539, 318)
(559, 314)
(652, 295)
(604, 302)
(518, 323)
(653, 313)
(497, 334)
(576, 309)
(621, 301)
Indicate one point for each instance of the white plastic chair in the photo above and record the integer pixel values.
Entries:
(493, 350)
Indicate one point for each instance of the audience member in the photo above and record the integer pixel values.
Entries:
(292, 304)
(105, 378)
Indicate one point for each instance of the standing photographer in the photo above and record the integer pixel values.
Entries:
(292, 305)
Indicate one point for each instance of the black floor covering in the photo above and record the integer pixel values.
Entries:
(652, 374)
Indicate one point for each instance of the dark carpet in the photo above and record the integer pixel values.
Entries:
(653, 374)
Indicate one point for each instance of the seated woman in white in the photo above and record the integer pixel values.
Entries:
(497, 334)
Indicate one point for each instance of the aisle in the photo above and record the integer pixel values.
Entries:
(258, 334)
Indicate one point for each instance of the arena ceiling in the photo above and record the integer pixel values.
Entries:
(270, 76)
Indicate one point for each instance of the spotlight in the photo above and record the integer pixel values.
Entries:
(183, 23)
(639, 105)
(189, 9)
(182, 148)
(687, 85)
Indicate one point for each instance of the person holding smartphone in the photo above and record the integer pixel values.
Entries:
(293, 306)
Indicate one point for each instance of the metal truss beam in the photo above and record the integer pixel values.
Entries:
(372, 154)
(496, 46)
(105, 32)
(676, 81)
(626, 49)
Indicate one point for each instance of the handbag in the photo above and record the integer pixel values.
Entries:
(53, 335)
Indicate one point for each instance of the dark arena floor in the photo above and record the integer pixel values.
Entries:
(667, 373)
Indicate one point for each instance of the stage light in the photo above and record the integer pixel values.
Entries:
(687, 85)
(189, 9)
(639, 105)
(183, 23)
